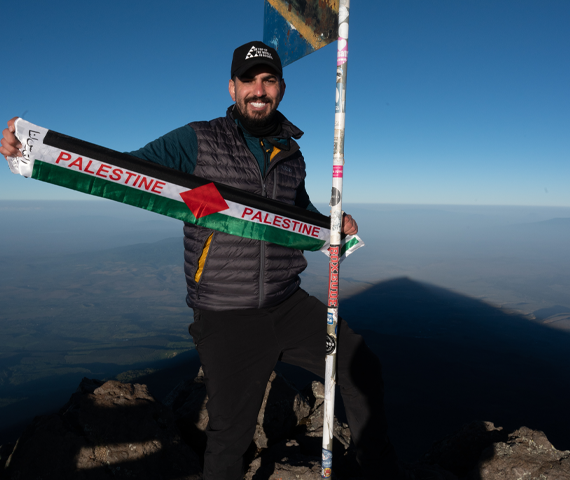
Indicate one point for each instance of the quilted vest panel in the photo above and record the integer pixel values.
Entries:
(240, 272)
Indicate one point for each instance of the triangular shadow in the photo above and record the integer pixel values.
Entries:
(450, 359)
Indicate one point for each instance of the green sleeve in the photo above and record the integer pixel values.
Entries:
(302, 199)
(177, 149)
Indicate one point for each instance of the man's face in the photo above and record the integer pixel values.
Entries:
(257, 93)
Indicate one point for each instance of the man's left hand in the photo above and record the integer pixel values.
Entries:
(349, 226)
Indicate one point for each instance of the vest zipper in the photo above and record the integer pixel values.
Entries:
(266, 157)
(262, 243)
(261, 259)
(274, 183)
(266, 165)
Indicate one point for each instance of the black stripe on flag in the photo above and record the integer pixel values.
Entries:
(170, 175)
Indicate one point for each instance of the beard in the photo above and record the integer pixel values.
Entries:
(257, 120)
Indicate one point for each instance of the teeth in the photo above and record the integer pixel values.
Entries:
(258, 105)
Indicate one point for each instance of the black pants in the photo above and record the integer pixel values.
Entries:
(239, 349)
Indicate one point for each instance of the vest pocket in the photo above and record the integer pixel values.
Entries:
(202, 259)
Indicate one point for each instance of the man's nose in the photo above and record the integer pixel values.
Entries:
(259, 89)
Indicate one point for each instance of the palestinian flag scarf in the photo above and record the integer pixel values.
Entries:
(55, 158)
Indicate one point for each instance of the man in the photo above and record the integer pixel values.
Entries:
(249, 311)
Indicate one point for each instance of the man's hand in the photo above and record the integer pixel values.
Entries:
(349, 226)
(10, 143)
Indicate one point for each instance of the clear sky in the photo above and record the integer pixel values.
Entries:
(448, 101)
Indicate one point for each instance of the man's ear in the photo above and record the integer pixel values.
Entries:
(283, 86)
(232, 89)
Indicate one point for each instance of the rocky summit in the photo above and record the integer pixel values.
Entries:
(114, 430)
(106, 430)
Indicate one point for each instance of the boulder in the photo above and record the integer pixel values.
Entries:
(526, 454)
(314, 426)
(106, 430)
(481, 451)
(314, 392)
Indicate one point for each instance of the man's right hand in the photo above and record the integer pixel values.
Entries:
(10, 144)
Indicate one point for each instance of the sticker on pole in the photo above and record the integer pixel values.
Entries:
(335, 197)
(342, 55)
(330, 345)
(327, 458)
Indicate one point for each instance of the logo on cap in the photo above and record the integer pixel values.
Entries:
(258, 52)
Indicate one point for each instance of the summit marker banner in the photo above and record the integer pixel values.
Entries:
(296, 28)
(55, 158)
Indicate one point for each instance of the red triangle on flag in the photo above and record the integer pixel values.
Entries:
(204, 200)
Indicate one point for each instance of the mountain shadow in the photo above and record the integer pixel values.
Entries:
(450, 359)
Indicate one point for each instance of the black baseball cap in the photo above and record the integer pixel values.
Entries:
(252, 54)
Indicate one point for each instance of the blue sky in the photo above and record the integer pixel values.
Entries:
(449, 101)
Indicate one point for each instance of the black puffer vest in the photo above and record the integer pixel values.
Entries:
(240, 272)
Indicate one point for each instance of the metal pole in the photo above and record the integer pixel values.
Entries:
(335, 239)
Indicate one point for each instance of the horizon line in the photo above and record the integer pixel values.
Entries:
(104, 200)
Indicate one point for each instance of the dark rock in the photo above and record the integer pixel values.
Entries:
(314, 392)
(481, 451)
(107, 430)
(87, 385)
(314, 426)
(459, 453)
(526, 454)
(179, 395)
(288, 461)
(188, 401)
(284, 461)
(282, 409)
(424, 471)
(5, 452)
(115, 430)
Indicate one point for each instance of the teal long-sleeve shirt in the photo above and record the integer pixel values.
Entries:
(178, 149)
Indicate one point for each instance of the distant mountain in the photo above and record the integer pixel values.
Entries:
(555, 222)
(544, 313)
(552, 225)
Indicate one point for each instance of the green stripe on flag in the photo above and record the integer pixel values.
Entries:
(100, 187)
(46, 172)
(348, 245)
(258, 231)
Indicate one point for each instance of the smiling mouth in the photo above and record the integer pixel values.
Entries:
(258, 104)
